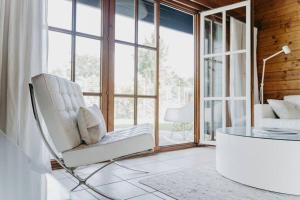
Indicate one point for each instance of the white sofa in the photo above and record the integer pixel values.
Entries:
(264, 117)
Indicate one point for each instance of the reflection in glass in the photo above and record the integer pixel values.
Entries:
(146, 72)
(59, 55)
(146, 33)
(88, 17)
(124, 112)
(88, 64)
(91, 100)
(176, 77)
(212, 119)
(124, 20)
(213, 77)
(124, 69)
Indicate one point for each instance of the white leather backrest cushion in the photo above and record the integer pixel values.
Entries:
(295, 99)
(91, 124)
(285, 109)
(59, 101)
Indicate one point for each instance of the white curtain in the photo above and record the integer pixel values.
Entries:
(255, 79)
(23, 54)
(237, 72)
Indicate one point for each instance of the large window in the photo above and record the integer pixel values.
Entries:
(117, 59)
(75, 37)
(135, 63)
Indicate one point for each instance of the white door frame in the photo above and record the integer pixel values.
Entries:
(223, 54)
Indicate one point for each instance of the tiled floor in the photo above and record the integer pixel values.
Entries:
(124, 184)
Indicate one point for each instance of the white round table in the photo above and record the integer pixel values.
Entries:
(266, 161)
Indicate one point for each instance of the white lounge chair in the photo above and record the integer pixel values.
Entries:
(59, 101)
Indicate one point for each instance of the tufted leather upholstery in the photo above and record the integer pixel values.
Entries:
(59, 101)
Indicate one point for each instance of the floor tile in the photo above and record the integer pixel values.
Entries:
(163, 196)
(146, 197)
(139, 185)
(68, 183)
(121, 190)
(103, 179)
(82, 195)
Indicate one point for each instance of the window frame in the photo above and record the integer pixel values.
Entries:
(73, 33)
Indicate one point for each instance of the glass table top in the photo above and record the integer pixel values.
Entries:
(264, 133)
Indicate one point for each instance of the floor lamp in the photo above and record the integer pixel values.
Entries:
(286, 50)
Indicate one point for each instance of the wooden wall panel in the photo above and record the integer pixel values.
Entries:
(278, 24)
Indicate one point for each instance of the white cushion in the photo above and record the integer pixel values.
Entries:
(295, 99)
(113, 145)
(285, 109)
(91, 124)
(59, 101)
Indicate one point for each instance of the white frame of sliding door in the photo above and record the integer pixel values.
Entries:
(224, 54)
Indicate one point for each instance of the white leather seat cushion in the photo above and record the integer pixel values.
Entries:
(59, 101)
(113, 145)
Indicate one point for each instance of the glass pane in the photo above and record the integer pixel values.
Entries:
(207, 36)
(237, 30)
(176, 115)
(91, 100)
(236, 72)
(236, 113)
(146, 23)
(124, 112)
(213, 83)
(212, 119)
(60, 14)
(217, 31)
(146, 111)
(88, 64)
(213, 34)
(146, 72)
(124, 20)
(124, 69)
(59, 54)
(89, 17)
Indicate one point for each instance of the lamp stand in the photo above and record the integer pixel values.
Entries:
(263, 75)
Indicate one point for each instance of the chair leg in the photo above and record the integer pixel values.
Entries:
(132, 169)
(84, 181)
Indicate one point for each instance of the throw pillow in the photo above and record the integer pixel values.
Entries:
(284, 109)
(91, 124)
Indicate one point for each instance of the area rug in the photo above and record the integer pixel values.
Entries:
(207, 184)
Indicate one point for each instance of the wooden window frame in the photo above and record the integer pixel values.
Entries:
(74, 34)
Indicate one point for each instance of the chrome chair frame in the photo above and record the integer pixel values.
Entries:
(71, 170)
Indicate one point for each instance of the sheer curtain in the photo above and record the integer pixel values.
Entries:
(23, 54)
(237, 72)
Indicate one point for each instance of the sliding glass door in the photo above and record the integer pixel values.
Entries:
(176, 77)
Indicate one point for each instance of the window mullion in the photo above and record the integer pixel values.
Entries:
(73, 44)
(136, 11)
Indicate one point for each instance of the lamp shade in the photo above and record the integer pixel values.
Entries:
(286, 49)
